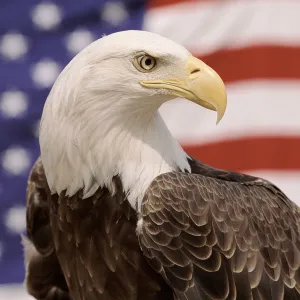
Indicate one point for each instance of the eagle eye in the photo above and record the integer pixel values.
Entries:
(145, 63)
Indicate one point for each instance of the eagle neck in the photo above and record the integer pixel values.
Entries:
(137, 152)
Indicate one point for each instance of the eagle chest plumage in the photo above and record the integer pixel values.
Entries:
(98, 249)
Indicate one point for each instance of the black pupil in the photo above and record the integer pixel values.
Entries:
(148, 62)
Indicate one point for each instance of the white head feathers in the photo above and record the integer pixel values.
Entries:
(98, 121)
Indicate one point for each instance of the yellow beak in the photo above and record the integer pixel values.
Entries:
(201, 85)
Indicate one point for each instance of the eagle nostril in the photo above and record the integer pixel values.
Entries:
(195, 71)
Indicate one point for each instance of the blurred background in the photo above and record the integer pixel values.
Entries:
(253, 45)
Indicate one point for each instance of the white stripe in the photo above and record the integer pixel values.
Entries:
(207, 26)
(288, 182)
(254, 108)
(13, 291)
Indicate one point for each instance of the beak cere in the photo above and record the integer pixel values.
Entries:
(201, 85)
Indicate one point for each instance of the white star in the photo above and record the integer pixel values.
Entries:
(16, 160)
(13, 103)
(46, 16)
(114, 13)
(45, 72)
(78, 40)
(13, 45)
(15, 219)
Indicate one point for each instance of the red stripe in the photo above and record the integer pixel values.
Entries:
(256, 62)
(277, 153)
(160, 3)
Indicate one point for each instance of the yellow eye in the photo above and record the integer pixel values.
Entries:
(146, 62)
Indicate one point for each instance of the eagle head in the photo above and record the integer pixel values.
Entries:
(100, 118)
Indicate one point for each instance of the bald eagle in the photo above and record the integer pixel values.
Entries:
(116, 210)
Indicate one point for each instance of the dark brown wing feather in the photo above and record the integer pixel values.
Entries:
(96, 245)
(44, 278)
(222, 235)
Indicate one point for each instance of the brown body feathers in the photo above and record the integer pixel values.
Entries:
(207, 235)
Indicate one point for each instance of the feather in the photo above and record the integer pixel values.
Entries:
(236, 245)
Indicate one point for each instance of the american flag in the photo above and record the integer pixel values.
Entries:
(253, 44)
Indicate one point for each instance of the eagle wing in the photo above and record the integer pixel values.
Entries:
(221, 235)
(44, 277)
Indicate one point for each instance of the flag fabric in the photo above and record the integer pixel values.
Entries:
(253, 44)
